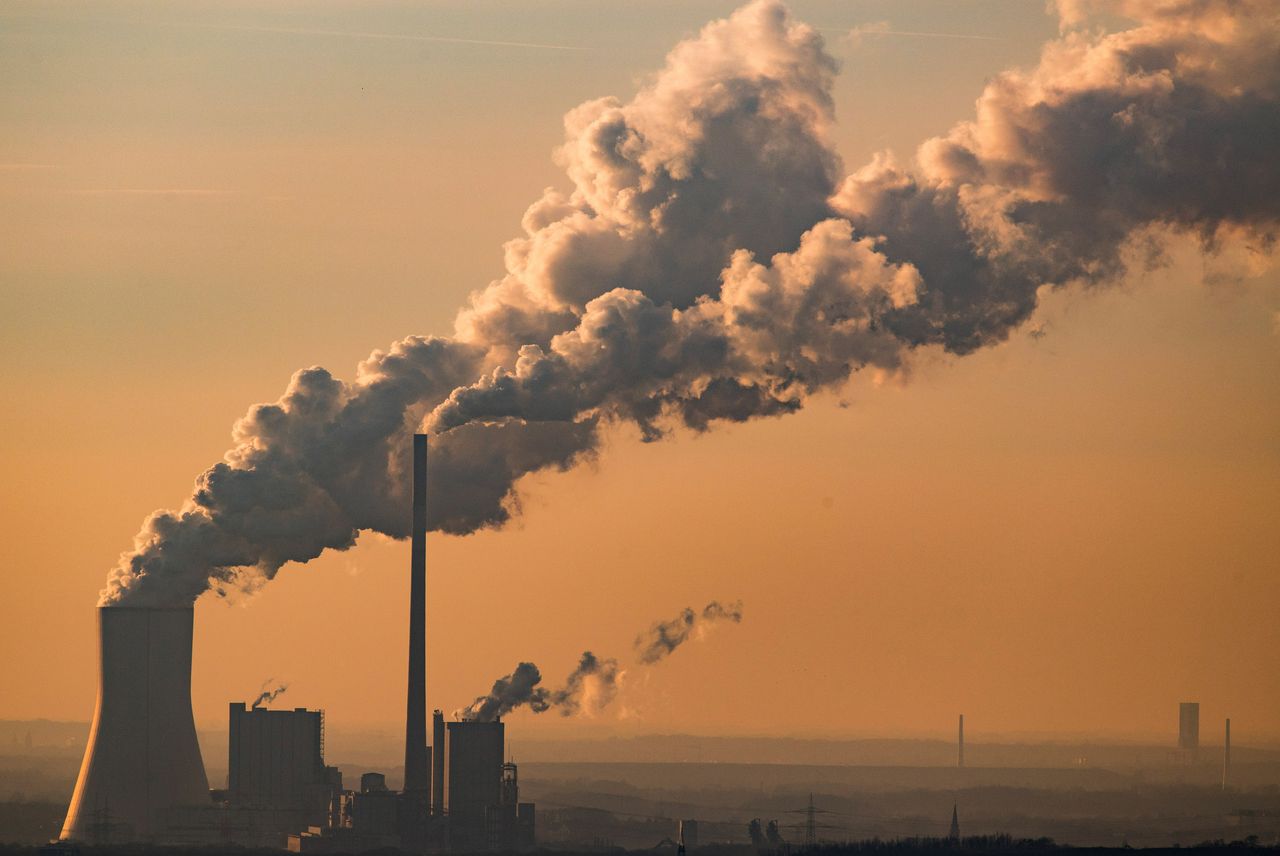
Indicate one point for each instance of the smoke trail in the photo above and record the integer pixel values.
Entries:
(268, 695)
(593, 684)
(666, 636)
(710, 264)
(509, 692)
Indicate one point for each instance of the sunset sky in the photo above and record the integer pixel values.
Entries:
(1066, 533)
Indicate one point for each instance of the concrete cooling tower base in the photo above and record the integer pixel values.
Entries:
(143, 760)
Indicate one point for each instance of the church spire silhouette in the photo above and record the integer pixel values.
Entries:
(954, 835)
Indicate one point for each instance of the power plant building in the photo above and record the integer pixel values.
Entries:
(143, 778)
(509, 825)
(275, 763)
(475, 780)
(485, 812)
(1189, 727)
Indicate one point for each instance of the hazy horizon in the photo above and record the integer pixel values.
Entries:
(525, 731)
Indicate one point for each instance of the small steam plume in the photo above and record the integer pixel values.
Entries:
(666, 636)
(268, 695)
(509, 692)
(713, 263)
(592, 685)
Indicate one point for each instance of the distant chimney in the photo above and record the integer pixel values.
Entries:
(960, 743)
(417, 772)
(1226, 756)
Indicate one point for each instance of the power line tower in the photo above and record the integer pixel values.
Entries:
(810, 825)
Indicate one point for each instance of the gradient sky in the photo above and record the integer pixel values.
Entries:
(1067, 533)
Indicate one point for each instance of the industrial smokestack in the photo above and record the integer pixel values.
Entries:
(960, 742)
(437, 763)
(1226, 756)
(417, 772)
(142, 760)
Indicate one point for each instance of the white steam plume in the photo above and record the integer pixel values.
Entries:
(710, 264)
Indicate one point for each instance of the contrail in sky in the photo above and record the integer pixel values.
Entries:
(885, 30)
(150, 191)
(399, 37)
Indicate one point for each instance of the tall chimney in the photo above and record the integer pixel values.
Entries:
(417, 773)
(437, 763)
(1226, 757)
(961, 742)
(142, 759)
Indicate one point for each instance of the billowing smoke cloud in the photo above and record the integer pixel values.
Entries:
(1165, 125)
(268, 695)
(666, 636)
(710, 264)
(591, 686)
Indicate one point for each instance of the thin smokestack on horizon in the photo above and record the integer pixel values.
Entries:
(1226, 755)
(714, 262)
(960, 743)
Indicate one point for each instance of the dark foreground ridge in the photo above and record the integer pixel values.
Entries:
(985, 845)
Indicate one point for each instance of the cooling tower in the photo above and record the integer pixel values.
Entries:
(142, 759)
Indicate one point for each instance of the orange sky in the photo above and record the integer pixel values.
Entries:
(1068, 533)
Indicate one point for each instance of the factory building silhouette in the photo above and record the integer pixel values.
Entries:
(143, 778)
(1189, 728)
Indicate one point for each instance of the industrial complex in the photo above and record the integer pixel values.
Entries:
(143, 778)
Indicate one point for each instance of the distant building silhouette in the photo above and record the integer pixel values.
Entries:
(1226, 756)
(475, 780)
(1189, 728)
(688, 834)
(954, 834)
